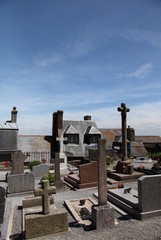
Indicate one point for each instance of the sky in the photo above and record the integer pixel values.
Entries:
(84, 57)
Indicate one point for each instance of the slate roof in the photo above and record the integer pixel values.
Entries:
(33, 143)
(80, 126)
(93, 130)
(148, 139)
(109, 135)
(5, 125)
(71, 130)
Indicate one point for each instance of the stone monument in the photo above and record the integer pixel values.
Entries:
(51, 220)
(124, 166)
(62, 156)
(17, 180)
(103, 213)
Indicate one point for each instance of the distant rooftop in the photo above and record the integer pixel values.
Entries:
(4, 125)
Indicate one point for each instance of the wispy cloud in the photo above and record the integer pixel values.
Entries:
(151, 37)
(44, 61)
(140, 73)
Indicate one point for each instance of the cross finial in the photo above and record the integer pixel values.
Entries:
(61, 139)
(123, 109)
(45, 191)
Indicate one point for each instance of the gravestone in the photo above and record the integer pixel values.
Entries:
(144, 203)
(51, 220)
(87, 178)
(103, 213)
(20, 183)
(17, 180)
(17, 162)
(40, 170)
(149, 193)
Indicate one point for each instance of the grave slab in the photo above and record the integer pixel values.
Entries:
(75, 207)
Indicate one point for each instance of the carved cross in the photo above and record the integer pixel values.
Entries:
(57, 162)
(123, 109)
(61, 140)
(45, 191)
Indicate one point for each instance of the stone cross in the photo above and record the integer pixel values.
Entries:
(61, 140)
(123, 109)
(102, 173)
(45, 191)
(57, 162)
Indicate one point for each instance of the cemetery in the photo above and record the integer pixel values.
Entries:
(83, 191)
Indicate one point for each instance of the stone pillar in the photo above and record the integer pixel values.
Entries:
(123, 111)
(103, 213)
(102, 173)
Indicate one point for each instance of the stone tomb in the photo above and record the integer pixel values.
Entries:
(142, 204)
(81, 210)
(48, 221)
(87, 178)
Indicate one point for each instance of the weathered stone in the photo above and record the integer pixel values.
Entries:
(149, 193)
(57, 162)
(144, 203)
(37, 225)
(102, 173)
(123, 111)
(124, 167)
(2, 203)
(40, 170)
(21, 183)
(103, 217)
(44, 192)
(17, 162)
(30, 202)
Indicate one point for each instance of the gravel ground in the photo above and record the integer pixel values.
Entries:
(125, 229)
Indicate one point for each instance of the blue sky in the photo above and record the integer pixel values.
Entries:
(82, 57)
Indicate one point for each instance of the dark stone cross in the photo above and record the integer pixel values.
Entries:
(57, 162)
(45, 191)
(123, 109)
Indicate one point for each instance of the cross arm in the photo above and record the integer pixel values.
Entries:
(52, 190)
(38, 192)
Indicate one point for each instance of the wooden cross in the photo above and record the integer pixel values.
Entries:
(61, 140)
(57, 162)
(45, 191)
(123, 109)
